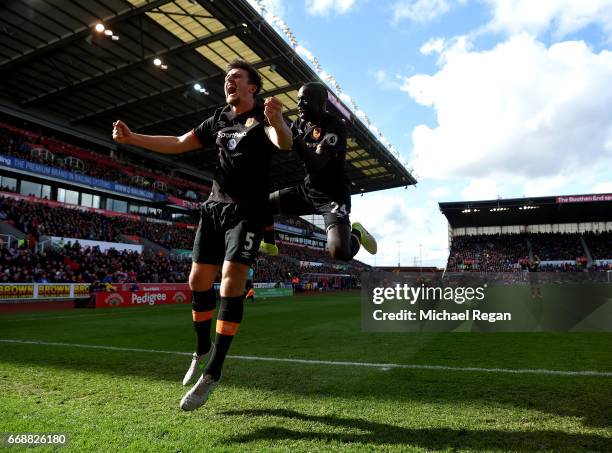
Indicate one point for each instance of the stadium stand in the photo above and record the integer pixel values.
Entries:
(557, 246)
(506, 252)
(27, 262)
(73, 264)
(496, 253)
(38, 219)
(566, 233)
(48, 150)
(600, 244)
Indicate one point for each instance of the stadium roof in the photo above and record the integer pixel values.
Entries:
(529, 211)
(56, 69)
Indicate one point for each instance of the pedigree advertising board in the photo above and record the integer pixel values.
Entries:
(148, 294)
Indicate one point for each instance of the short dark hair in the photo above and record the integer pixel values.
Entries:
(317, 87)
(254, 77)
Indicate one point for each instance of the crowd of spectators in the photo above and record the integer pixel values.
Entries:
(56, 153)
(16, 146)
(75, 264)
(316, 255)
(599, 244)
(506, 253)
(38, 219)
(299, 261)
(493, 253)
(557, 246)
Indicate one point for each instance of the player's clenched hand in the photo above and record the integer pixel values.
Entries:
(121, 133)
(273, 109)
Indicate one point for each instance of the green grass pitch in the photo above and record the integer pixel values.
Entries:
(119, 400)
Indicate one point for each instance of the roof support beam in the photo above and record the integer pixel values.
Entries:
(80, 33)
(209, 108)
(159, 94)
(116, 71)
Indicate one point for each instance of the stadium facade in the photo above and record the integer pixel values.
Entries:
(569, 232)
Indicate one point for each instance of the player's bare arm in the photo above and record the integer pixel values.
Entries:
(164, 144)
(278, 132)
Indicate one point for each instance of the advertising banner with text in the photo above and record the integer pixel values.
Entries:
(43, 291)
(130, 295)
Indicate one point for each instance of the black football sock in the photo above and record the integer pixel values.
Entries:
(268, 235)
(355, 242)
(228, 322)
(202, 311)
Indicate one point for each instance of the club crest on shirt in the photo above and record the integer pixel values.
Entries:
(231, 144)
(249, 122)
(316, 133)
(330, 139)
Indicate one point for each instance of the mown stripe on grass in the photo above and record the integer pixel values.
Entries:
(383, 366)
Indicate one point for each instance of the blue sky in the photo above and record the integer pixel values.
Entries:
(484, 98)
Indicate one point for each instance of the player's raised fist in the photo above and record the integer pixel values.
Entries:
(121, 133)
(273, 109)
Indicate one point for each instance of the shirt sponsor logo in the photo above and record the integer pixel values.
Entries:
(231, 134)
(231, 144)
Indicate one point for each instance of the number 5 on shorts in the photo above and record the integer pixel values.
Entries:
(248, 241)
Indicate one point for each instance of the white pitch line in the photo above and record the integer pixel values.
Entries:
(88, 315)
(385, 366)
(44, 318)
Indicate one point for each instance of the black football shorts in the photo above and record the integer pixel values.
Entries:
(296, 201)
(227, 232)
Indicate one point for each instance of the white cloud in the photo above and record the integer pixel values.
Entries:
(550, 185)
(520, 111)
(433, 45)
(482, 189)
(391, 218)
(328, 7)
(303, 51)
(345, 98)
(273, 7)
(603, 187)
(439, 192)
(538, 16)
(380, 76)
(385, 81)
(421, 11)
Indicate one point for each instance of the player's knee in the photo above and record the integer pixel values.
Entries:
(198, 281)
(233, 284)
(338, 243)
(203, 300)
(338, 250)
(194, 282)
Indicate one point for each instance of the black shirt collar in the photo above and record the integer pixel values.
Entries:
(255, 111)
